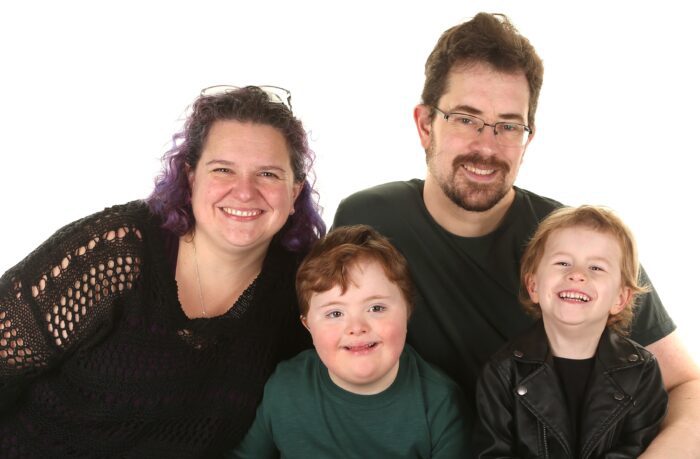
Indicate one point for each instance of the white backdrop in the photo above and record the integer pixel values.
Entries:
(91, 92)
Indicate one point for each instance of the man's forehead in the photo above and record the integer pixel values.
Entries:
(471, 84)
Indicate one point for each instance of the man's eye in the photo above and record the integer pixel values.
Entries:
(463, 120)
(511, 127)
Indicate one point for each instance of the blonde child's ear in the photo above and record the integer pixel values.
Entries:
(304, 322)
(623, 299)
(531, 285)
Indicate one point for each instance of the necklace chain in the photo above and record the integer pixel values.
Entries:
(199, 282)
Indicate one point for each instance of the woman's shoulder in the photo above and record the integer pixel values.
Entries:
(112, 235)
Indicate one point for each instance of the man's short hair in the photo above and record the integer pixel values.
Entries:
(330, 260)
(598, 219)
(487, 38)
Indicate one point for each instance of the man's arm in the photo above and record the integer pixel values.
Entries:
(680, 431)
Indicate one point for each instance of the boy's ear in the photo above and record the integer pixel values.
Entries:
(531, 285)
(622, 300)
(304, 322)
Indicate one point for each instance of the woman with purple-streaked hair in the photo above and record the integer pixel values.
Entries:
(150, 328)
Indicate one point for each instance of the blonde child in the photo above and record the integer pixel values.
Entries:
(573, 385)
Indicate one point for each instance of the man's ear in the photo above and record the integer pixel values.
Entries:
(424, 123)
(530, 138)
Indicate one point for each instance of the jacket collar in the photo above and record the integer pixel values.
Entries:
(610, 388)
(613, 353)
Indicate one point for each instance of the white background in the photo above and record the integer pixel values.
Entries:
(90, 93)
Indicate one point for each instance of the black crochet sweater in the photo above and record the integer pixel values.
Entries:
(97, 358)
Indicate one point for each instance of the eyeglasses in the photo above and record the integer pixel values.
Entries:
(274, 93)
(506, 133)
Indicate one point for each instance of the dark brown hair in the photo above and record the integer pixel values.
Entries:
(490, 39)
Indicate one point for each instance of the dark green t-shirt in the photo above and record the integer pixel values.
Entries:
(467, 288)
(305, 415)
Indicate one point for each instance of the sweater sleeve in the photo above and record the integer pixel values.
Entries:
(61, 293)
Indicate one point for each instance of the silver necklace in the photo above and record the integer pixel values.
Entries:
(199, 282)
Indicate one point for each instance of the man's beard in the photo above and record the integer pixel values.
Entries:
(472, 196)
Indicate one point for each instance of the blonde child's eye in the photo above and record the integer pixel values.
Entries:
(377, 308)
(597, 268)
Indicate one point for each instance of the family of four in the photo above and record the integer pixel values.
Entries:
(455, 316)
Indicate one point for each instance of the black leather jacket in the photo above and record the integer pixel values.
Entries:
(523, 412)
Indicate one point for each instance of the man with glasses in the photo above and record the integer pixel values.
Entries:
(463, 228)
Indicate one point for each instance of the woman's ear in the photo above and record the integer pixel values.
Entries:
(189, 170)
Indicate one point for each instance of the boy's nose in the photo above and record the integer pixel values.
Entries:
(357, 326)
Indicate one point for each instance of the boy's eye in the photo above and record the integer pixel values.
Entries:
(334, 314)
(377, 308)
(561, 263)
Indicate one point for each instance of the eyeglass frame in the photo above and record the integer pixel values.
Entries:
(270, 90)
(446, 116)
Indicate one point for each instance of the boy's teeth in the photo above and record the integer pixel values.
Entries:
(575, 296)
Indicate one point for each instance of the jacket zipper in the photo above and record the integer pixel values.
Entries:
(546, 448)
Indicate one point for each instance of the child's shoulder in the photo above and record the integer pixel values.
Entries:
(429, 374)
(627, 350)
(302, 365)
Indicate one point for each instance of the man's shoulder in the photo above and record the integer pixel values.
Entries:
(386, 192)
(539, 205)
(379, 205)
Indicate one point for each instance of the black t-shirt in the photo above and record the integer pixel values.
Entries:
(573, 375)
(467, 288)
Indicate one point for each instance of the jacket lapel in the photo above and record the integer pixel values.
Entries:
(613, 382)
(543, 395)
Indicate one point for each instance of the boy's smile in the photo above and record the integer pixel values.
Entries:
(360, 334)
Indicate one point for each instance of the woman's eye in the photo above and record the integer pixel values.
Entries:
(377, 308)
(222, 169)
(269, 174)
